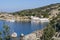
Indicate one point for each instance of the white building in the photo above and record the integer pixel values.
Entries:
(37, 19)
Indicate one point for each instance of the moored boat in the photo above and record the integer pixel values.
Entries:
(14, 34)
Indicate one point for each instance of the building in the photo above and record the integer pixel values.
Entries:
(37, 19)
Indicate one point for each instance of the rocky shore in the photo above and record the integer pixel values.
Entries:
(9, 17)
(34, 36)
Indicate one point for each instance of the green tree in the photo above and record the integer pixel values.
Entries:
(6, 32)
(48, 33)
(55, 23)
(57, 26)
(0, 36)
(46, 15)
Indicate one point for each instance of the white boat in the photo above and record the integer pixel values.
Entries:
(14, 34)
(12, 20)
(22, 35)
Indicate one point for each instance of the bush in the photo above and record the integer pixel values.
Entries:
(48, 33)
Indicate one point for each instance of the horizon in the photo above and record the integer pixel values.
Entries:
(18, 5)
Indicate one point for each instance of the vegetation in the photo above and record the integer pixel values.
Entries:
(5, 32)
(48, 33)
(0, 36)
(55, 22)
(53, 27)
(58, 26)
(38, 11)
(2, 17)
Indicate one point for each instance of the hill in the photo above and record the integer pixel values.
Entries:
(51, 9)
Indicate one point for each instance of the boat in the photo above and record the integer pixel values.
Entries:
(14, 34)
(12, 20)
(22, 35)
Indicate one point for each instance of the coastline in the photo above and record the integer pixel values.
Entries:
(23, 19)
(9, 17)
(34, 35)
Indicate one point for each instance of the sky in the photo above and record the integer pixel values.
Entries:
(17, 5)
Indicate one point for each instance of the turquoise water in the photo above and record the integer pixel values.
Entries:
(22, 27)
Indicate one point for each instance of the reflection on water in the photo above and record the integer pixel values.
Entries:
(35, 26)
(22, 27)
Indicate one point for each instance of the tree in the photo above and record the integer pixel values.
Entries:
(55, 23)
(6, 32)
(58, 26)
(48, 33)
(0, 36)
(46, 15)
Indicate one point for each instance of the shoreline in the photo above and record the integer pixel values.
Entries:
(17, 20)
(34, 35)
(9, 17)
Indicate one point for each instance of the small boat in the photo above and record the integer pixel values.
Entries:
(14, 34)
(9, 20)
(22, 35)
(12, 20)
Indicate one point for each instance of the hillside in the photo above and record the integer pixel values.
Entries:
(51, 9)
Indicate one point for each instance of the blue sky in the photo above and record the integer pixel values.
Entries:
(16, 5)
